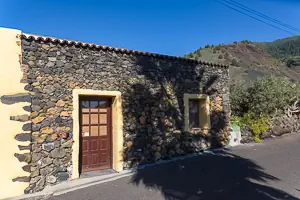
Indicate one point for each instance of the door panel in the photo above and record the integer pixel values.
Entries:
(95, 123)
(103, 144)
(85, 146)
(84, 160)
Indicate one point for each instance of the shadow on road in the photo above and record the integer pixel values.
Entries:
(211, 177)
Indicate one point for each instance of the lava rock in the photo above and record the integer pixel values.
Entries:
(48, 147)
(58, 153)
(62, 176)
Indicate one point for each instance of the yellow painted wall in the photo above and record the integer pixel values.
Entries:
(10, 76)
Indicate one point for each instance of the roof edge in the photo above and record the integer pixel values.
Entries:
(115, 49)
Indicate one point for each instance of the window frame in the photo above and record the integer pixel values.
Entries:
(199, 97)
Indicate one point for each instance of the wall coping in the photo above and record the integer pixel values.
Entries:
(47, 39)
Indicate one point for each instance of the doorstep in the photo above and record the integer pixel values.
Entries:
(97, 173)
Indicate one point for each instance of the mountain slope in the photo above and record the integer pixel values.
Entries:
(249, 60)
(282, 48)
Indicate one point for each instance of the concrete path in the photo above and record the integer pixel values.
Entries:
(266, 171)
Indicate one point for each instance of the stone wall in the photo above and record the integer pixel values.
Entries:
(152, 89)
(280, 125)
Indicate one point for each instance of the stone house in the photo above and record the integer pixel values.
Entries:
(69, 107)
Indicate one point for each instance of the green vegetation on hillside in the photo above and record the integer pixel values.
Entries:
(287, 47)
(252, 60)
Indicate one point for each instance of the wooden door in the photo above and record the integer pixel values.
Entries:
(96, 134)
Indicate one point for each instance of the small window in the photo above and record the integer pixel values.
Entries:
(194, 113)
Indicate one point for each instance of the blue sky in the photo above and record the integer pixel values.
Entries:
(173, 27)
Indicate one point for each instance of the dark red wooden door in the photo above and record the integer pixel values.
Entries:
(95, 133)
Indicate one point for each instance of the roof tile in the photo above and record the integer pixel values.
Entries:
(120, 50)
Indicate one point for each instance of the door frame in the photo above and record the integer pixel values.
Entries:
(117, 128)
(109, 124)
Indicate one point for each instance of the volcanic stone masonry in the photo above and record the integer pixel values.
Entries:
(152, 88)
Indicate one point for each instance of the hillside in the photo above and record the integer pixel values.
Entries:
(249, 60)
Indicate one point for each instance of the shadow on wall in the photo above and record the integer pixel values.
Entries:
(210, 177)
(154, 112)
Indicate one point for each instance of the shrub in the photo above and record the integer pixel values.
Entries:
(256, 139)
(266, 95)
(234, 62)
(239, 100)
(253, 106)
(217, 48)
(269, 94)
(259, 125)
(207, 46)
(245, 41)
(220, 56)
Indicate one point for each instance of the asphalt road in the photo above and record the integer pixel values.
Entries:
(267, 171)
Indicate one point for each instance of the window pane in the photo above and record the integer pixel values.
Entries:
(103, 130)
(103, 118)
(94, 106)
(94, 118)
(85, 131)
(194, 115)
(103, 104)
(103, 110)
(85, 119)
(85, 106)
(94, 130)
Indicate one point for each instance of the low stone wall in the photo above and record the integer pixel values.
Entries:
(152, 89)
(285, 124)
(280, 125)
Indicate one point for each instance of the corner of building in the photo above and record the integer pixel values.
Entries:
(14, 154)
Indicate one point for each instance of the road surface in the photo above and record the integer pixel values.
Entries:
(267, 171)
